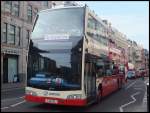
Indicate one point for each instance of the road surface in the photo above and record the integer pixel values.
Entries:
(131, 98)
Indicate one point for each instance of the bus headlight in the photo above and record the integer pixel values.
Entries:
(29, 92)
(74, 96)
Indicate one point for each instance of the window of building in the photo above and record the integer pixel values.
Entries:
(104, 41)
(11, 34)
(4, 37)
(45, 3)
(29, 13)
(18, 29)
(15, 8)
(8, 6)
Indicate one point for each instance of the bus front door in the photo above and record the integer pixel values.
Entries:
(90, 81)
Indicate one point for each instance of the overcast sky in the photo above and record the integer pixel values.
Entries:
(130, 18)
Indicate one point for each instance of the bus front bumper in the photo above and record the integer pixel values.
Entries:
(57, 101)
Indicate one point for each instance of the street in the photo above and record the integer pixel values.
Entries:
(131, 98)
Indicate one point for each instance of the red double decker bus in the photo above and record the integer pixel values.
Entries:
(68, 59)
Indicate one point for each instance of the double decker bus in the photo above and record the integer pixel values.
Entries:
(68, 58)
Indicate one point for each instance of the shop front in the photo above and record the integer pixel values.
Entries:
(12, 75)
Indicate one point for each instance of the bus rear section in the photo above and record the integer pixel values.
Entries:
(101, 77)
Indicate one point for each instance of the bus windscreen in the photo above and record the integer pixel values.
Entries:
(55, 51)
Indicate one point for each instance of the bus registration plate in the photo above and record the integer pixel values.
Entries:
(51, 101)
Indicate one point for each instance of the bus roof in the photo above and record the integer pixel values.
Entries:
(67, 7)
(64, 7)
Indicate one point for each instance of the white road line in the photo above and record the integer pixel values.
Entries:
(146, 81)
(134, 99)
(144, 100)
(14, 104)
(4, 107)
(10, 99)
(137, 88)
(130, 85)
(145, 97)
(18, 103)
(140, 85)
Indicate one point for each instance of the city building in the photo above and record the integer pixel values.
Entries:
(131, 52)
(145, 58)
(120, 43)
(135, 54)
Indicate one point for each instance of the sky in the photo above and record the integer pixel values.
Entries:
(130, 18)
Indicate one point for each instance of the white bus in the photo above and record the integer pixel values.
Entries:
(64, 60)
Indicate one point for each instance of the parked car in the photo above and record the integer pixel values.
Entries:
(131, 74)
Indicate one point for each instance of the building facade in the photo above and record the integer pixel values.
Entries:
(132, 47)
(139, 57)
(136, 55)
(145, 58)
(17, 18)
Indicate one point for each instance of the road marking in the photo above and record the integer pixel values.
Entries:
(12, 98)
(18, 103)
(145, 97)
(134, 99)
(130, 85)
(137, 88)
(14, 104)
(4, 107)
(146, 81)
(143, 85)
